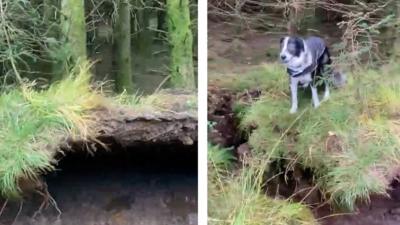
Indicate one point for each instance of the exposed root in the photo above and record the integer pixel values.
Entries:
(47, 199)
(19, 212)
(3, 207)
(44, 203)
(54, 203)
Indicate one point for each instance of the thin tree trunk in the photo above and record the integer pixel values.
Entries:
(51, 17)
(161, 15)
(144, 37)
(181, 40)
(73, 27)
(396, 48)
(123, 79)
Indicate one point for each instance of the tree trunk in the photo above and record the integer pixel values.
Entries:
(181, 40)
(51, 17)
(144, 36)
(123, 79)
(396, 48)
(73, 27)
(301, 17)
(161, 15)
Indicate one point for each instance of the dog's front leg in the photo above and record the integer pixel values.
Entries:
(315, 98)
(326, 94)
(293, 89)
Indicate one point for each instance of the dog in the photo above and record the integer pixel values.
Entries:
(308, 63)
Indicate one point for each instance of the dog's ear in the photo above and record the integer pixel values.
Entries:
(299, 44)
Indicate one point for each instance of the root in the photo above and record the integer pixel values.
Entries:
(47, 199)
(54, 203)
(19, 212)
(44, 203)
(3, 207)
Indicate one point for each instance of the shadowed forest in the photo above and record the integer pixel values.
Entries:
(337, 164)
(95, 96)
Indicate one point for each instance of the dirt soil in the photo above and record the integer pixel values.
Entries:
(231, 51)
(129, 188)
(380, 211)
(235, 54)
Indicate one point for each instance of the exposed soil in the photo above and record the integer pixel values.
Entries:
(224, 131)
(380, 211)
(233, 53)
(145, 185)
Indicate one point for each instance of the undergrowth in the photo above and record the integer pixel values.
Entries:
(34, 122)
(351, 142)
(238, 199)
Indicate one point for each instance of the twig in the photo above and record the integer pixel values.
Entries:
(333, 215)
(162, 83)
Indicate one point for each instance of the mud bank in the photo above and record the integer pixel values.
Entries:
(382, 210)
(146, 184)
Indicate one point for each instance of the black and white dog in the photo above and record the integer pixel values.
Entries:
(308, 62)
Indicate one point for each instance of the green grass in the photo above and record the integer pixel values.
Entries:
(350, 142)
(33, 123)
(238, 199)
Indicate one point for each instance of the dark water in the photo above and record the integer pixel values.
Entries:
(130, 187)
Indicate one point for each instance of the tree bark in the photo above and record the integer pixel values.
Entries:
(181, 40)
(74, 28)
(127, 128)
(123, 79)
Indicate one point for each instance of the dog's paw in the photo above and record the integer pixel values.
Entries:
(293, 110)
(316, 105)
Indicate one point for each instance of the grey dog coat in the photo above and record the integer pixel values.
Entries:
(319, 56)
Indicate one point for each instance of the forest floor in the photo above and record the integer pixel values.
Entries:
(231, 57)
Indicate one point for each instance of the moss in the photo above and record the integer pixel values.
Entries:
(74, 27)
(181, 41)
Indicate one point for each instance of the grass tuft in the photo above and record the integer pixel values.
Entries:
(33, 123)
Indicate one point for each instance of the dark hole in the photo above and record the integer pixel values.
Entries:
(146, 184)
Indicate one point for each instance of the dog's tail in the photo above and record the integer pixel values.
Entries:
(339, 79)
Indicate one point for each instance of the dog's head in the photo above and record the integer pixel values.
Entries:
(292, 51)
